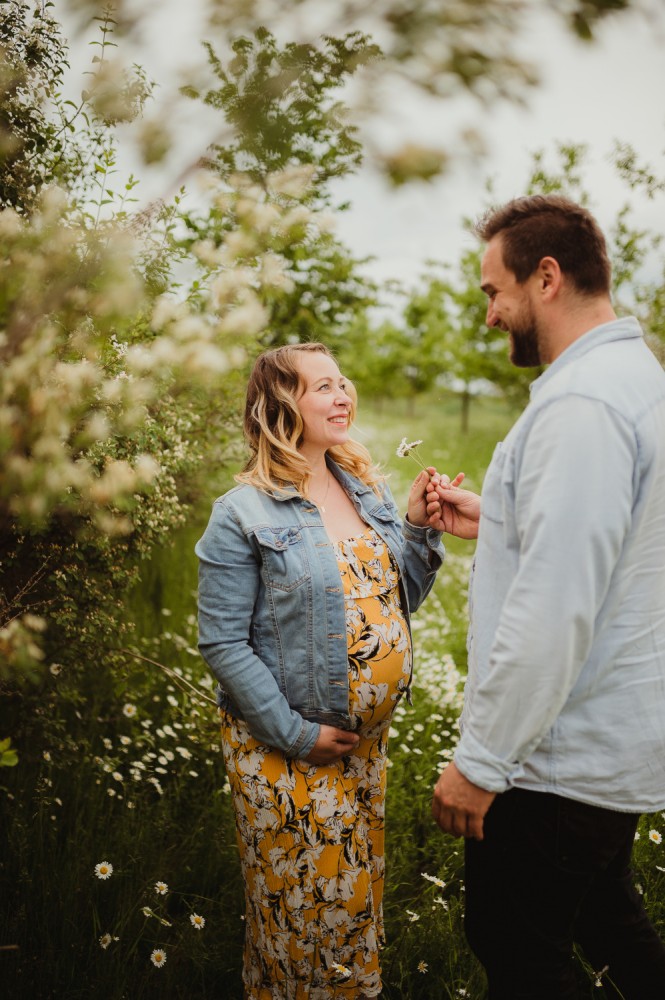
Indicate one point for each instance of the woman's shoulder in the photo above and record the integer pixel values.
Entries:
(248, 504)
(235, 493)
(240, 497)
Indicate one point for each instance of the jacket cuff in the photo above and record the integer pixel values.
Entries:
(424, 536)
(481, 767)
(307, 737)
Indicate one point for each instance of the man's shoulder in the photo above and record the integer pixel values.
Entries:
(622, 374)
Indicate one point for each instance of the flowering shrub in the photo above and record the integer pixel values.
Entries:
(113, 387)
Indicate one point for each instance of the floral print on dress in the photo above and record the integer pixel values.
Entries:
(311, 837)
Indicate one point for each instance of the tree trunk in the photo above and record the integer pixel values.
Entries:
(466, 406)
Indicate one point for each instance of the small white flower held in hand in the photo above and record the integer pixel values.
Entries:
(409, 449)
(104, 870)
(406, 447)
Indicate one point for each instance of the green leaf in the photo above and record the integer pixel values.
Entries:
(8, 758)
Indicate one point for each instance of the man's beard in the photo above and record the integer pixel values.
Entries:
(524, 339)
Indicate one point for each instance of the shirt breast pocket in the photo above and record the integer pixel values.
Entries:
(491, 503)
(284, 564)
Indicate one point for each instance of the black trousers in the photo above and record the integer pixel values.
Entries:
(551, 872)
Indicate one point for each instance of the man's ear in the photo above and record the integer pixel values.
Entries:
(549, 276)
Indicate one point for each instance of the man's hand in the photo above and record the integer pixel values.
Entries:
(458, 805)
(452, 509)
(331, 745)
(417, 512)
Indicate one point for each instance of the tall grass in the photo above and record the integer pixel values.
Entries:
(126, 769)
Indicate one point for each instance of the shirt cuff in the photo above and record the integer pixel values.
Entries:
(482, 768)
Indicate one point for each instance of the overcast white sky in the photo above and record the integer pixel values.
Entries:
(591, 94)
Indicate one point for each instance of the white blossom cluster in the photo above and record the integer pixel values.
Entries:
(80, 364)
(97, 376)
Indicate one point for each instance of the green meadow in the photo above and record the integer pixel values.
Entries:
(118, 859)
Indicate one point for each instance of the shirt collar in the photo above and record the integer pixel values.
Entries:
(626, 328)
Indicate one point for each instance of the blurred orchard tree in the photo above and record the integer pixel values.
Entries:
(441, 337)
(115, 374)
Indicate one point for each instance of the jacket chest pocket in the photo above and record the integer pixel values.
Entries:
(284, 564)
(389, 524)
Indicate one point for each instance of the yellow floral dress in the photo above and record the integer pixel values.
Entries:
(311, 837)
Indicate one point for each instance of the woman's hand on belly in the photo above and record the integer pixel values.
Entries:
(332, 745)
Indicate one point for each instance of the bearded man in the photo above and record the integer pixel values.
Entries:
(562, 741)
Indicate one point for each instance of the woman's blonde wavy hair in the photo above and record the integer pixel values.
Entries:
(274, 428)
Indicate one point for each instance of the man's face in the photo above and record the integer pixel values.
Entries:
(510, 307)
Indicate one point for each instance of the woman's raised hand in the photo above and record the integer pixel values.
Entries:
(331, 745)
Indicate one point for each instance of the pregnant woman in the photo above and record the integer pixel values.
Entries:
(307, 579)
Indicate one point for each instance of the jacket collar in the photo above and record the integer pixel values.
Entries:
(349, 483)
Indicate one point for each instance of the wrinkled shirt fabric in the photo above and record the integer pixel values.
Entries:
(272, 622)
(566, 680)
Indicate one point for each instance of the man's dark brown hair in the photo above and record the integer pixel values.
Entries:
(550, 226)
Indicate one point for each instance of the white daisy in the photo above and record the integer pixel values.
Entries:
(406, 446)
(197, 921)
(158, 957)
(161, 888)
(104, 869)
(129, 710)
(655, 837)
(433, 878)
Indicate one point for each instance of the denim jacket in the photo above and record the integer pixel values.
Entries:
(272, 623)
(566, 682)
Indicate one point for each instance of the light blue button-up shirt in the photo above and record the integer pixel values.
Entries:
(566, 682)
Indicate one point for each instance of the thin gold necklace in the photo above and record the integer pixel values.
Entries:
(320, 505)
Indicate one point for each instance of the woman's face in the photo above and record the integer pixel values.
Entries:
(324, 403)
